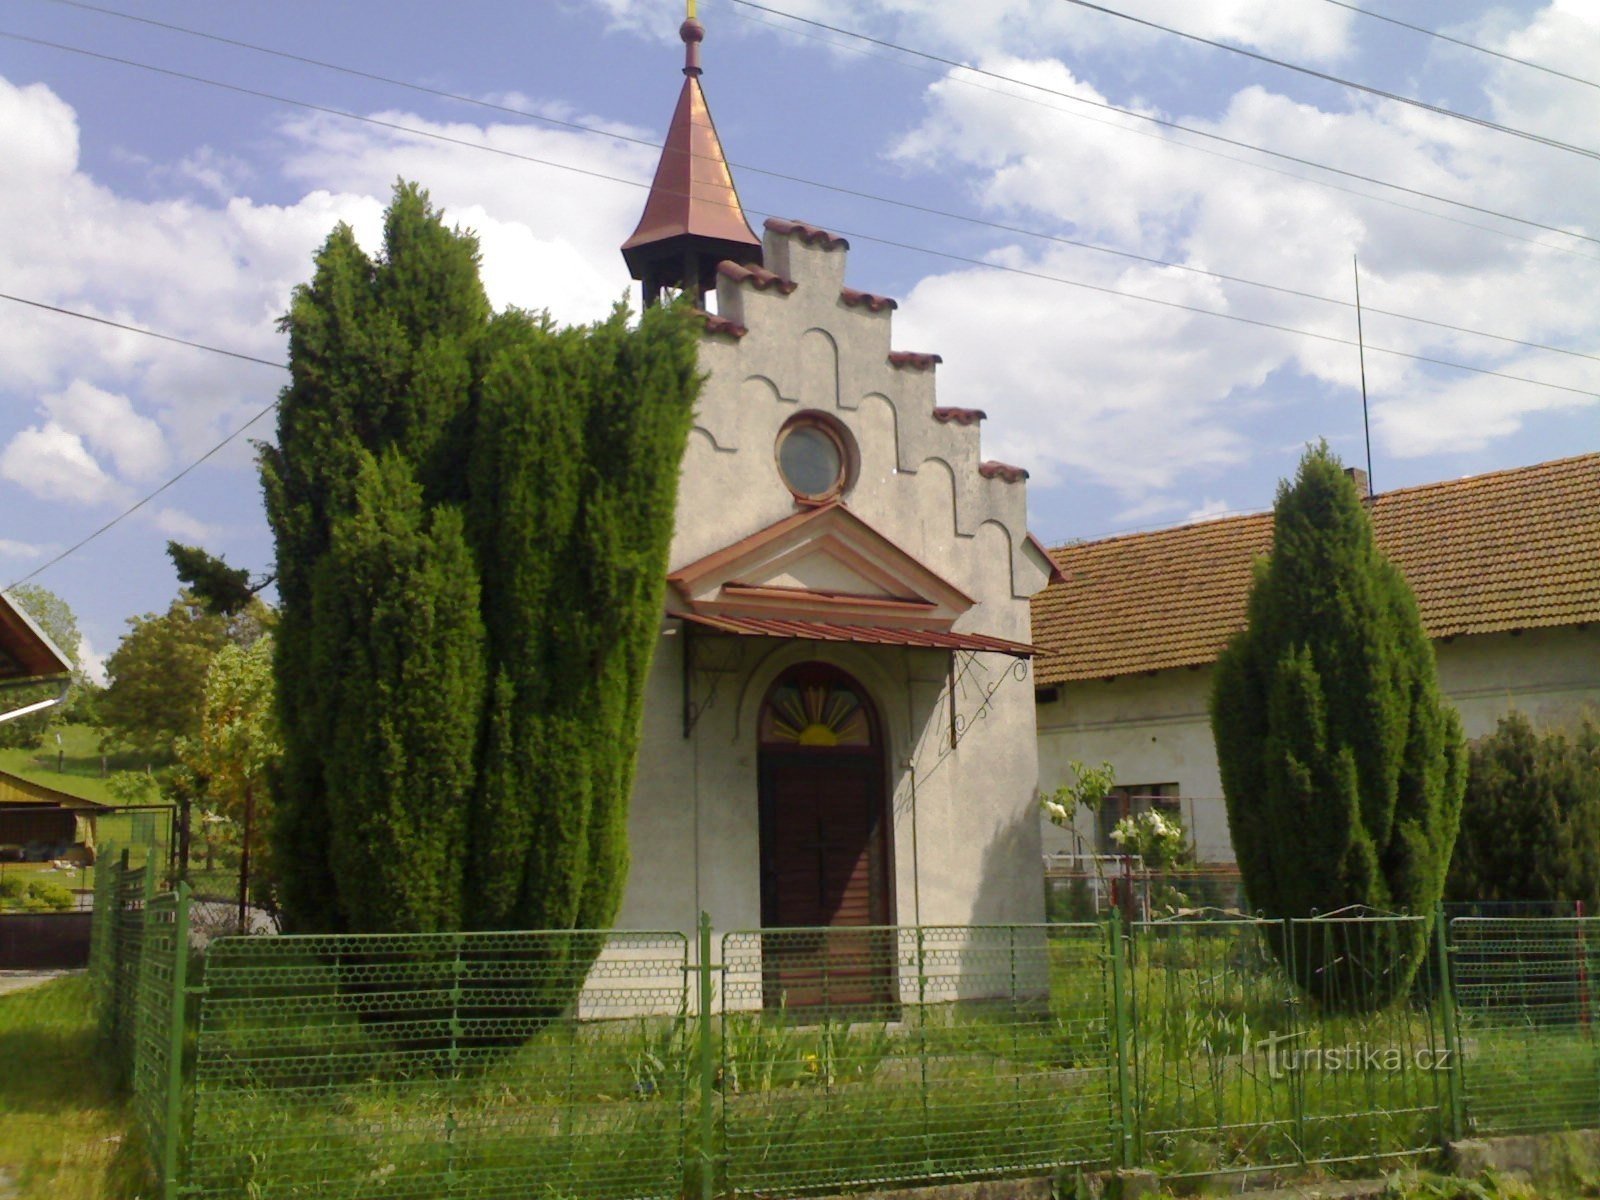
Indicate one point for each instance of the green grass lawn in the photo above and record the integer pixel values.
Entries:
(80, 763)
(64, 1132)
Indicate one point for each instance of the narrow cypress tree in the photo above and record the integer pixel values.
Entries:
(1342, 767)
(380, 355)
(473, 516)
(398, 644)
(574, 479)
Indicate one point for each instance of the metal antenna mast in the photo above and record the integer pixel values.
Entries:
(1361, 349)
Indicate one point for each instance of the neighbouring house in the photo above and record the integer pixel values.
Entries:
(40, 823)
(1506, 571)
(839, 729)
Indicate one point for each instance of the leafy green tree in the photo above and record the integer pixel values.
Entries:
(227, 763)
(157, 674)
(221, 589)
(53, 615)
(472, 516)
(1342, 766)
(1530, 823)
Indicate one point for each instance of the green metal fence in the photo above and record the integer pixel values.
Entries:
(1236, 1067)
(875, 1056)
(1524, 993)
(623, 1066)
(479, 1065)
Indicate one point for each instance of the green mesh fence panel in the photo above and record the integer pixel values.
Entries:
(469, 1065)
(127, 917)
(1373, 1074)
(900, 1055)
(1526, 1006)
(153, 1075)
(1236, 1067)
(103, 943)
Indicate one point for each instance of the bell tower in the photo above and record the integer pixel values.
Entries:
(692, 218)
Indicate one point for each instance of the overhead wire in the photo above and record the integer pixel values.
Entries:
(856, 193)
(1173, 125)
(1341, 81)
(216, 449)
(1455, 41)
(863, 236)
(579, 126)
(964, 259)
(960, 80)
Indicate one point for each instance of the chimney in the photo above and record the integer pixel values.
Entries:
(1359, 478)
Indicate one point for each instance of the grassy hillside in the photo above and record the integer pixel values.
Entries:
(80, 764)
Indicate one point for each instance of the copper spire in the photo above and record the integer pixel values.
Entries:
(692, 219)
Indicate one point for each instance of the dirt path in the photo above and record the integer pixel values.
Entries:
(15, 981)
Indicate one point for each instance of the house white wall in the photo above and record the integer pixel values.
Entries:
(965, 837)
(1155, 729)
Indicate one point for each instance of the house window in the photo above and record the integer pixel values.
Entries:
(1129, 801)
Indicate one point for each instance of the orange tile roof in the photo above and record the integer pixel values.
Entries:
(1515, 549)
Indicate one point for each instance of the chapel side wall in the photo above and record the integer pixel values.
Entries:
(1156, 729)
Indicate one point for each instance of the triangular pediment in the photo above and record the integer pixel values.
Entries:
(824, 563)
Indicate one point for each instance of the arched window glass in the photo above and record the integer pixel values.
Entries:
(815, 713)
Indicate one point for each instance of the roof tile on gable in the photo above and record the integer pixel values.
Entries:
(1516, 549)
(756, 276)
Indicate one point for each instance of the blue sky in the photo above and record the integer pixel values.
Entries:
(193, 210)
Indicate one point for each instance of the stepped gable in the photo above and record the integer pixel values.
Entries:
(808, 329)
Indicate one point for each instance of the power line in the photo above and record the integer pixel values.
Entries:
(965, 259)
(1455, 41)
(976, 85)
(164, 337)
(788, 178)
(835, 188)
(1173, 125)
(1326, 77)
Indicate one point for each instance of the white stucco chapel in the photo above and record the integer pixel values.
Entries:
(839, 726)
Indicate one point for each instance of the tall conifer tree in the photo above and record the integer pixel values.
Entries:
(1342, 766)
(473, 515)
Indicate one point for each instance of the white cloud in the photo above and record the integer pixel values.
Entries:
(177, 524)
(107, 421)
(222, 273)
(1309, 31)
(53, 464)
(14, 549)
(1209, 510)
(92, 661)
(1145, 400)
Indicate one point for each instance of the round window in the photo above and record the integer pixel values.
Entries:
(811, 459)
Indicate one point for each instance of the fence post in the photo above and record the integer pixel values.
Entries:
(172, 1135)
(1297, 1079)
(708, 1071)
(1452, 1040)
(1123, 1129)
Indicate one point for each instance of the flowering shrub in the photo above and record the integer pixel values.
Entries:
(1155, 838)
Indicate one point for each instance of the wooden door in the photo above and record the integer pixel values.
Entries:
(825, 865)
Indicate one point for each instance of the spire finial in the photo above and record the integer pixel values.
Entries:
(692, 33)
